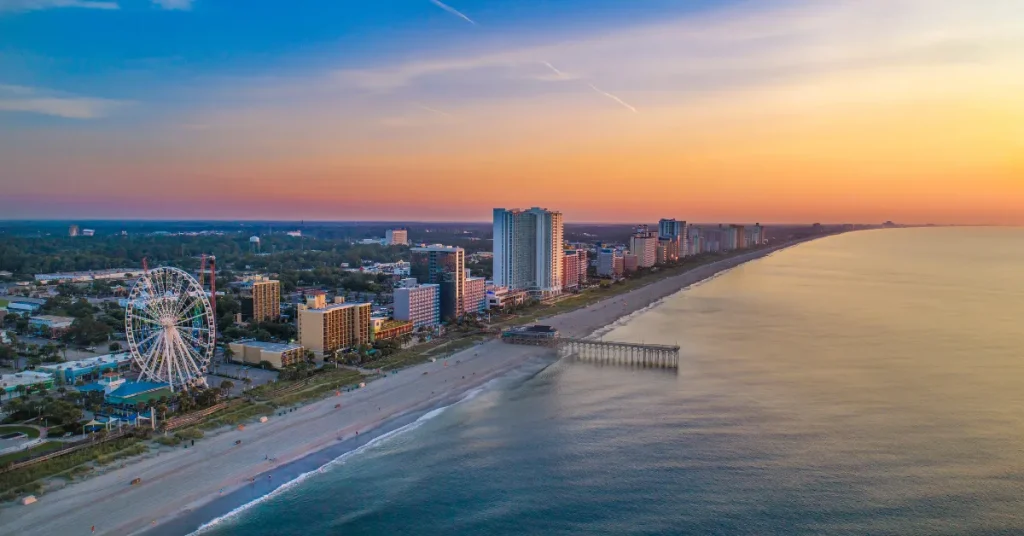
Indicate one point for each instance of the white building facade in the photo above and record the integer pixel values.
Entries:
(528, 250)
(419, 304)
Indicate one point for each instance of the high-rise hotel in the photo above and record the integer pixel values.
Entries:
(528, 250)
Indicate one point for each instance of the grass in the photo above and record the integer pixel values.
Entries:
(320, 385)
(26, 479)
(3, 303)
(421, 353)
(180, 436)
(38, 449)
(237, 415)
(32, 433)
(132, 450)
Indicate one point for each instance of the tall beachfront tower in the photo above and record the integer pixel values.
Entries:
(444, 266)
(528, 250)
(673, 233)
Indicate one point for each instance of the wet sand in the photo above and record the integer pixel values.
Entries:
(178, 481)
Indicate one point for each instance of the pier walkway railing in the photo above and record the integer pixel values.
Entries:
(611, 352)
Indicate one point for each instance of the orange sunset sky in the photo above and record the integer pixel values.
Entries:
(798, 111)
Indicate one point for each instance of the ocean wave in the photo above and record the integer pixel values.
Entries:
(233, 514)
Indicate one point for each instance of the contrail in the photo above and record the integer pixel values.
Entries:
(452, 10)
(613, 97)
(552, 67)
(435, 110)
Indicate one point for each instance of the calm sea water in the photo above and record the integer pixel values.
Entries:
(869, 383)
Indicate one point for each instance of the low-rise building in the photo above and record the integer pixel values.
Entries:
(278, 354)
(28, 380)
(386, 328)
(501, 297)
(22, 307)
(51, 326)
(70, 372)
(91, 275)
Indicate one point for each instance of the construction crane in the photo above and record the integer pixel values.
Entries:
(213, 279)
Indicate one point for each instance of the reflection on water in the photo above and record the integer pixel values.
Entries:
(865, 383)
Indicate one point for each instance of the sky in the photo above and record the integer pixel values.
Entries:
(607, 110)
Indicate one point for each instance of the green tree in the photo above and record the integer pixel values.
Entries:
(114, 347)
(63, 412)
(88, 331)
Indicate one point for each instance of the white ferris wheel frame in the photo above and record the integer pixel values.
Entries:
(170, 328)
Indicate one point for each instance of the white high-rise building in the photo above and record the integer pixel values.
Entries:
(528, 250)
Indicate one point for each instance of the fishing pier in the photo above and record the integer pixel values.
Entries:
(609, 352)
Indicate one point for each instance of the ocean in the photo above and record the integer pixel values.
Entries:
(866, 383)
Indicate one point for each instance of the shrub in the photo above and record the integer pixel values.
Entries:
(169, 441)
(189, 433)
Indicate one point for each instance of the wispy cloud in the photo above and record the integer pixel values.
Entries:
(33, 5)
(612, 97)
(559, 74)
(40, 101)
(452, 10)
(174, 5)
(435, 110)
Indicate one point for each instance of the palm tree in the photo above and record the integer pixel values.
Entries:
(226, 386)
(62, 391)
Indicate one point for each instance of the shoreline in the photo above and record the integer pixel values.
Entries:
(185, 488)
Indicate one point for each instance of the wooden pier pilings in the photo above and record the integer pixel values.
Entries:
(610, 352)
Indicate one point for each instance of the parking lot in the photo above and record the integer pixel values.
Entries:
(238, 373)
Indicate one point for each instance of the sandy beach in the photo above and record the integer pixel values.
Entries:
(178, 481)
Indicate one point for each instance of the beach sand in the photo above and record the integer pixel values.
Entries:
(178, 481)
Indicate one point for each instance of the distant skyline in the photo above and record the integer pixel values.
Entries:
(776, 111)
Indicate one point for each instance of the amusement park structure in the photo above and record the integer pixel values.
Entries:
(170, 327)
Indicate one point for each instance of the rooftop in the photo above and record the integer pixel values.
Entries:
(333, 306)
(437, 247)
(88, 362)
(52, 320)
(130, 389)
(271, 346)
(23, 378)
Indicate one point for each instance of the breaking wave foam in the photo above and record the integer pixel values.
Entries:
(216, 522)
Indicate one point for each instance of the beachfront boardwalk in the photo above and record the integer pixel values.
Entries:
(611, 352)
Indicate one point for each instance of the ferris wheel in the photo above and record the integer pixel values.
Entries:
(170, 328)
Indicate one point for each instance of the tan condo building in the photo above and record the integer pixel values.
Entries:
(279, 355)
(266, 300)
(333, 327)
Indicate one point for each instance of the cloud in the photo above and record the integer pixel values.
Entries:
(452, 10)
(33, 5)
(435, 110)
(174, 5)
(762, 43)
(39, 101)
(612, 97)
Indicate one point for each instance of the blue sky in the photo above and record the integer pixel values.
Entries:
(142, 51)
(747, 110)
